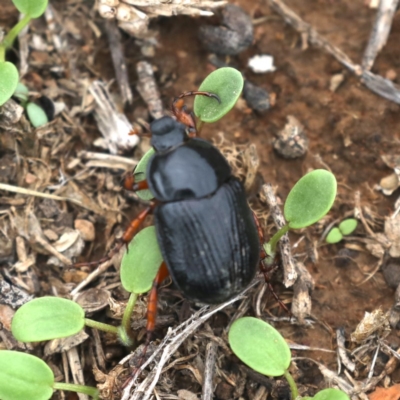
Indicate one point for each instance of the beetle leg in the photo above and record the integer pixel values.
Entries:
(130, 184)
(152, 303)
(126, 237)
(151, 316)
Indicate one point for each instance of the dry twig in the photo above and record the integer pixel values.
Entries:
(147, 87)
(209, 369)
(117, 55)
(377, 84)
(380, 32)
(289, 269)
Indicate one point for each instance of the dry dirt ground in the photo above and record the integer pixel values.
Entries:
(349, 130)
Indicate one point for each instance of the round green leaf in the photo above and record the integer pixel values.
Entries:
(36, 115)
(47, 318)
(21, 92)
(331, 394)
(260, 346)
(141, 262)
(23, 376)
(348, 226)
(310, 199)
(334, 236)
(227, 83)
(140, 174)
(8, 80)
(33, 8)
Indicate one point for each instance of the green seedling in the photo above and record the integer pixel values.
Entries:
(23, 376)
(35, 113)
(261, 347)
(49, 318)
(139, 268)
(9, 76)
(227, 84)
(309, 200)
(345, 228)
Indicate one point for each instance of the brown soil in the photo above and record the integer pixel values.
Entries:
(348, 131)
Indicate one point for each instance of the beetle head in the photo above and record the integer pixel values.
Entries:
(167, 133)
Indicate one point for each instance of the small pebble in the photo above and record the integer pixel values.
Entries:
(391, 273)
(344, 257)
(291, 142)
(262, 63)
(86, 229)
(233, 36)
(256, 97)
(335, 82)
(391, 74)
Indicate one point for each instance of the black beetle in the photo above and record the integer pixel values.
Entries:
(205, 228)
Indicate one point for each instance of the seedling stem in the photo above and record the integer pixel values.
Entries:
(100, 326)
(125, 329)
(12, 34)
(71, 387)
(292, 384)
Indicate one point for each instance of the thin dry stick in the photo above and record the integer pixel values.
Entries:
(48, 247)
(342, 350)
(76, 370)
(29, 192)
(93, 275)
(209, 369)
(117, 55)
(375, 83)
(289, 269)
(91, 155)
(147, 87)
(380, 32)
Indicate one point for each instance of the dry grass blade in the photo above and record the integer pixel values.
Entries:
(29, 192)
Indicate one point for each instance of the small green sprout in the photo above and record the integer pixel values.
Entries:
(9, 76)
(35, 113)
(139, 268)
(23, 376)
(261, 347)
(308, 201)
(141, 262)
(345, 228)
(47, 318)
(8, 80)
(227, 84)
